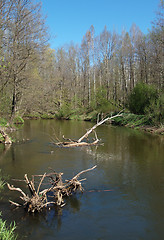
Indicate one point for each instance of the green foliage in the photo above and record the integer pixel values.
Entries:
(132, 120)
(156, 110)
(1, 138)
(100, 103)
(3, 122)
(7, 233)
(77, 116)
(91, 116)
(47, 116)
(65, 111)
(18, 120)
(141, 98)
(32, 116)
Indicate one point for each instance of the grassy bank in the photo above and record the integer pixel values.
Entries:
(140, 122)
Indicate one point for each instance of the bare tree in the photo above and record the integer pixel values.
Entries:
(25, 34)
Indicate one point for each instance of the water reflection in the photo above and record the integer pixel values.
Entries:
(3, 149)
(34, 226)
(130, 163)
(74, 203)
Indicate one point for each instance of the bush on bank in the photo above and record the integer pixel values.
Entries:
(146, 100)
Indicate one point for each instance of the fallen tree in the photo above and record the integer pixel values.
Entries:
(58, 189)
(80, 142)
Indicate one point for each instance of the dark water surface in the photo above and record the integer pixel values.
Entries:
(130, 164)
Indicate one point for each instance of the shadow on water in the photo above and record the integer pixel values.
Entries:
(130, 163)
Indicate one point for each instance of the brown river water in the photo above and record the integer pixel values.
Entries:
(130, 166)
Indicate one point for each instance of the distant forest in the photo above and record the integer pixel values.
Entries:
(100, 72)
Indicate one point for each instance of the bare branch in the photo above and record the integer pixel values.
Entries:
(98, 124)
(84, 171)
(41, 182)
(14, 203)
(12, 188)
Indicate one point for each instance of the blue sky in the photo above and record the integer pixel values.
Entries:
(68, 20)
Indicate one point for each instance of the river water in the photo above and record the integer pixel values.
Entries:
(124, 195)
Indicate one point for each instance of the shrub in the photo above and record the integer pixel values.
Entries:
(100, 102)
(47, 116)
(141, 98)
(156, 110)
(65, 111)
(132, 120)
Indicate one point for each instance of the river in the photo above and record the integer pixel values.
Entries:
(124, 195)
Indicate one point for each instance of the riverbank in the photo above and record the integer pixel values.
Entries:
(138, 122)
(6, 127)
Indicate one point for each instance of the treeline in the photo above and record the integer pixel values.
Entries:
(100, 73)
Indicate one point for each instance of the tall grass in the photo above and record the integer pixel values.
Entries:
(7, 233)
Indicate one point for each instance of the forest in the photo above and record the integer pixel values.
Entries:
(105, 73)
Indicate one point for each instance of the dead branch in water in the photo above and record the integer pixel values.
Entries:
(96, 125)
(39, 199)
(80, 142)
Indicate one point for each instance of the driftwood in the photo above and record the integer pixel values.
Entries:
(58, 190)
(37, 201)
(79, 143)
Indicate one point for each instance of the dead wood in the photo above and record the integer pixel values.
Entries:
(39, 199)
(15, 204)
(12, 188)
(76, 144)
(96, 125)
(79, 143)
(84, 171)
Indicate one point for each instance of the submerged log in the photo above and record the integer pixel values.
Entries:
(59, 189)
